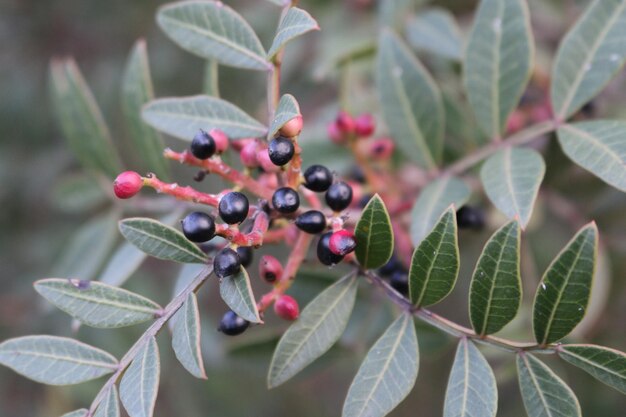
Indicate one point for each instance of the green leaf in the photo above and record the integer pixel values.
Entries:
(96, 304)
(599, 147)
(563, 293)
(393, 13)
(410, 100)
(472, 390)
(55, 360)
(435, 263)
(160, 241)
(281, 3)
(511, 178)
(543, 392)
(140, 383)
(496, 288)
(137, 90)
(81, 121)
(591, 53)
(436, 31)
(236, 292)
(78, 413)
(498, 61)
(110, 405)
(287, 109)
(210, 84)
(387, 374)
(433, 201)
(77, 193)
(296, 23)
(212, 30)
(319, 326)
(374, 235)
(183, 117)
(604, 364)
(186, 337)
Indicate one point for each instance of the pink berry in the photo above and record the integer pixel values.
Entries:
(248, 154)
(335, 134)
(221, 140)
(381, 149)
(270, 268)
(292, 128)
(345, 123)
(265, 162)
(364, 125)
(127, 184)
(342, 242)
(286, 307)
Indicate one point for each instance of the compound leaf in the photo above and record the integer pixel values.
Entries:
(295, 23)
(604, 364)
(436, 31)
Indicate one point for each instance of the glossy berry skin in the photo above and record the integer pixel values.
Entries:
(342, 242)
(226, 263)
(280, 151)
(399, 281)
(203, 145)
(364, 125)
(265, 163)
(312, 221)
(270, 268)
(233, 207)
(286, 200)
(127, 184)
(245, 255)
(318, 178)
(198, 227)
(468, 217)
(232, 325)
(339, 196)
(286, 307)
(324, 254)
(292, 128)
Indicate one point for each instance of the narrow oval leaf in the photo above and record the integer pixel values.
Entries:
(511, 178)
(212, 30)
(110, 405)
(435, 263)
(287, 109)
(55, 360)
(472, 390)
(543, 392)
(498, 61)
(78, 413)
(410, 100)
(81, 120)
(96, 304)
(160, 241)
(433, 201)
(140, 383)
(183, 117)
(296, 23)
(563, 294)
(319, 326)
(604, 364)
(186, 337)
(236, 292)
(387, 373)
(437, 32)
(374, 235)
(137, 90)
(496, 288)
(591, 53)
(599, 147)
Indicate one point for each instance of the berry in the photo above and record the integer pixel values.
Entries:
(339, 196)
(226, 263)
(221, 140)
(127, 184)
(286, 200)
(335, 135)
(324, 254)
(381, 149)
(292, 128)
(232, 325)
(198, 227)
(266, 163)
(245, 255)
(281, 150)
(270, 268)
(468, 217)
(203, 145)
(364, 125)
(357, 174)
(312, 221)
(233, 207)
(342, 242)
(248, 154)
(399, 281)
(318, 178)
(345, 123)
(286, 307)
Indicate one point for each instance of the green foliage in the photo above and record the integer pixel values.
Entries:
(110, 406)
(606, 365)
(436, 32)
(237, 294)
(287, 109)
(296, 22)
(140, 383)
(374, 235)
(186, 337)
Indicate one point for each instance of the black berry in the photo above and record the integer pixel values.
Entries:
(324, 254)
(280, 150)
(226, 263)
(232, 325)
(233, 207)
(245, 255)
(468, 217)
(198, 227)
(312, 221)
(399, 281)
(203, 145)
(317, 178)
(286, 200)
(339, 196)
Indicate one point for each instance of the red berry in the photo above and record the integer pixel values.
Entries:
(342, 242)
(248, 154)
(270, 268)
(127, 184)
(286, 307)
(335, 134)
(292, 128)
(364, 125)
(381, 148)
(221, 140)
(345, 123)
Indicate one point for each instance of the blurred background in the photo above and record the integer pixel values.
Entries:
(46, 198)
